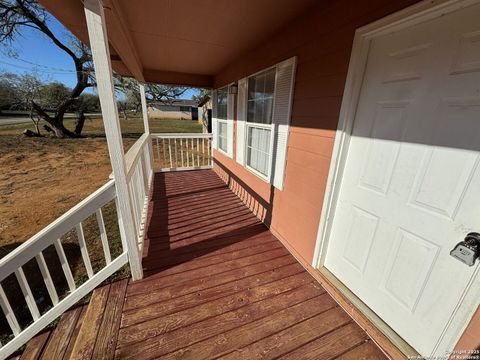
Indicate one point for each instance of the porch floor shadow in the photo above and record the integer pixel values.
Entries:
(217, 284)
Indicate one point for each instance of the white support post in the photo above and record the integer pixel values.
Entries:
(144, 109)
(97, 35)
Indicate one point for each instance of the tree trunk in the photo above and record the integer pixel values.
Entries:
(56, 123)
(59, 130)
(79, 125)
(35, 121)
(37, 127)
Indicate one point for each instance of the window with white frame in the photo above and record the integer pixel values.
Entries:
(222, 135)
(260, 90)
(222, 104)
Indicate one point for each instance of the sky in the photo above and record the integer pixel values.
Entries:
(35, 52)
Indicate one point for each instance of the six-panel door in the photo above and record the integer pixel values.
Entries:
(411, 185)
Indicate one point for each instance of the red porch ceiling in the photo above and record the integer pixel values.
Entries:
(181, 42)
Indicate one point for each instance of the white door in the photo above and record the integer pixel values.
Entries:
(411, 184)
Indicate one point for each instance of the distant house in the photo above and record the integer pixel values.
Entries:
(181, 109)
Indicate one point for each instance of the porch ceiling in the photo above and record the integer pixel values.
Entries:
(182, 42)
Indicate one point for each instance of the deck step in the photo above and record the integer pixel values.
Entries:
(84, 332)
(99, 330)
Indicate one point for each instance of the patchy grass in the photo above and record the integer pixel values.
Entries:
(131, 127)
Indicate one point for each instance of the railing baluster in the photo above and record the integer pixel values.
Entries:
(175, 145)
(140, 194)
(133, 201)
(190, 150)
(181, 150)
(27, 293)
(198, 152)
(8, 312)
(103, 236)
(158, 151)
(209, 149)
(186, 152)
(164, 153)
(141, 176)
(193, 155)
(83, 249)
(170, 153)
(47, 278)
(65, 265)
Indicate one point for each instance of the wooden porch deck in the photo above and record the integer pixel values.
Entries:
(217, 284)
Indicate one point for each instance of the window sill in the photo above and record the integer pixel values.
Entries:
(223, 152)
(258, 174)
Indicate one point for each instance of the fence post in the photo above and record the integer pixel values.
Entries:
(97, 34)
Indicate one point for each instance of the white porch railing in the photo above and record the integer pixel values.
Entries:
(34, 248)
(177, 152)
(139, 178)
(173, 152)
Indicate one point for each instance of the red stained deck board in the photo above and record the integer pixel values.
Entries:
(217, 284)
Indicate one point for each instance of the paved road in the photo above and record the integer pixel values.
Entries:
(20, 120)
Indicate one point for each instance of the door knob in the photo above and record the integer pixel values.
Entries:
(468, 250)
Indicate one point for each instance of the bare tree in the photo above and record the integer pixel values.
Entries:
(23, 89)
(130, 91)
(8, 96)
(164, 93)
(16, 15)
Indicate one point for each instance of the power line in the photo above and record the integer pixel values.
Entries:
(45, 66)
(46, 71)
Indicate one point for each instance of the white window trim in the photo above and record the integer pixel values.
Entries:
(224, 152)
(264, 177)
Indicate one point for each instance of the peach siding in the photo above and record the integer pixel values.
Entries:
(470, 339)
(321, 40)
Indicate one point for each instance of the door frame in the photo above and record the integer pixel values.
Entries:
(410, 16)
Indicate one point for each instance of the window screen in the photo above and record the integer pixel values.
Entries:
(258, 149)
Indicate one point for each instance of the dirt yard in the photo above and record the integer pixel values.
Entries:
(41, 178)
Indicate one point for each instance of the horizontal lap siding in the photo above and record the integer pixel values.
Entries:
(322, 41)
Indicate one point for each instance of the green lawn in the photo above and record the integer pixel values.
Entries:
(132, 127)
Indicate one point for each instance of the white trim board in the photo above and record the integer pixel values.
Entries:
(418, 13)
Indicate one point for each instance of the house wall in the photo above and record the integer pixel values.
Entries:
(322, 41)
(174, 113)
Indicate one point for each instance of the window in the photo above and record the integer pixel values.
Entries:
(258, 149)
(222, 100)
(185, 108)
(261, 88)
(222, 105)
(222, 136)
